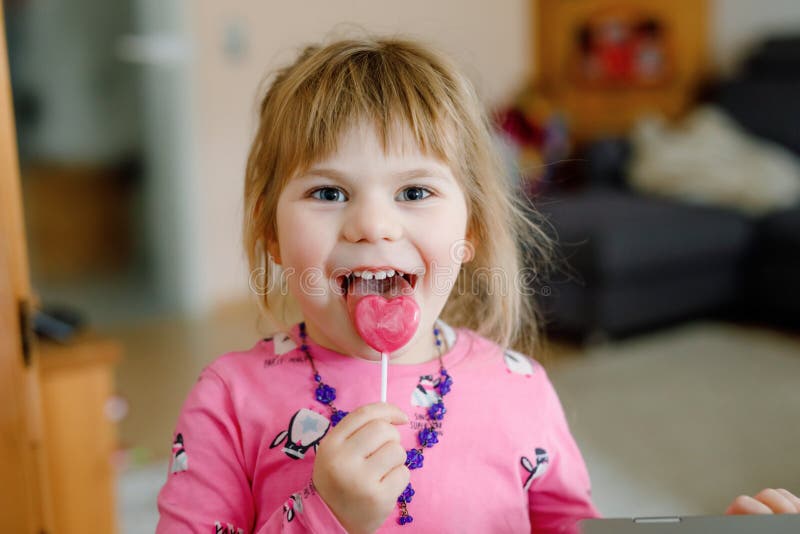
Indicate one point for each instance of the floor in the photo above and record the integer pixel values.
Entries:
(683, 421)
(162, 360)
(675, 422)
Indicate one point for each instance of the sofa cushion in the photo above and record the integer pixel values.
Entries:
(612, 237)
(772, 283)
(779, 235)
(768, 108)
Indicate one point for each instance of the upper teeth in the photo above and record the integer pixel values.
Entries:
(378, 275)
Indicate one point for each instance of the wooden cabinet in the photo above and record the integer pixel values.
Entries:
(77, 382)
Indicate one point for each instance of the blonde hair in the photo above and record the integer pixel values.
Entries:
(386, 81)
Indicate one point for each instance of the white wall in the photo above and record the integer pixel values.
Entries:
(491, 41)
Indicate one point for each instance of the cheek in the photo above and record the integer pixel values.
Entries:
(301, 252)
(442, 250)
(299, 240)
(449, 242)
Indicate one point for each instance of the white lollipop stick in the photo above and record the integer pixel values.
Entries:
(384, 375)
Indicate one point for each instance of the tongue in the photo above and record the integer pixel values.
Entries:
(384, 314)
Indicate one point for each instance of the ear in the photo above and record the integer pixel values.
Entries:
(469, 248)
(274, 250)
(271, 244)
(469, 253)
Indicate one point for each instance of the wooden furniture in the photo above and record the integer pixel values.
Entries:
(25, 498)
(77, 382)
(78, 220)
(52, 398)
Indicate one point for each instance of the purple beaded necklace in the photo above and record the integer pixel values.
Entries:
(428, 436)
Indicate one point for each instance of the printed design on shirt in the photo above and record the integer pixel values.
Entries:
(517, 363)
(536, 468)
(283, 343)
(180, 460)
(306, 430)
(425, 393)
(219, 528)
(449, 333)
(293, 506)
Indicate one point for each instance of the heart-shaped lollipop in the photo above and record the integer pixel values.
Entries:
(386, 324)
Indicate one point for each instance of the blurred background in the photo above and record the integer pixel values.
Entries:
(659, 138)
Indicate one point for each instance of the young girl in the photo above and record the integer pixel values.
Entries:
(372, 172)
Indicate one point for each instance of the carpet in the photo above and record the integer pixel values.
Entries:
(684, 420)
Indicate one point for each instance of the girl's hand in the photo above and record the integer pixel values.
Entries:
(769, 501)
(360, 467)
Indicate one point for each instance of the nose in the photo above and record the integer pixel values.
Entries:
(372, 219)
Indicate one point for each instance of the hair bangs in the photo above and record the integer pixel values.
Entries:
(380, 88)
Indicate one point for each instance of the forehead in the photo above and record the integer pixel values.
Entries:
(364, 137)
(360, 145)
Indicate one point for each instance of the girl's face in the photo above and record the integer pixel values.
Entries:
(362, 210)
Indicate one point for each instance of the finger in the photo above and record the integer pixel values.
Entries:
(370, 437)
(397, 479)
(386, 458)
(364, 414)
(776, 502)
(744, 505)
(791, 497)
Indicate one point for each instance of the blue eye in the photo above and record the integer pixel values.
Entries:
(329, 194)
(414, 193)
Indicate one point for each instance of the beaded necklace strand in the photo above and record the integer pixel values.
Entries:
(427, 437)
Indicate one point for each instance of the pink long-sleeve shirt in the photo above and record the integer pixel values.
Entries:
(244, 446)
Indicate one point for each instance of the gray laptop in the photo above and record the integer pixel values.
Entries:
(729, 524)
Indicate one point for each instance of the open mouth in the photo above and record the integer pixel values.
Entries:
(377, 280)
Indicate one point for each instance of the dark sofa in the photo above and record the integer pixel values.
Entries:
(634, 262)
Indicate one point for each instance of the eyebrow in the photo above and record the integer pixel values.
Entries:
(402, 175)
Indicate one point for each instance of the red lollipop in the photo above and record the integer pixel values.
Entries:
(386, 324)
